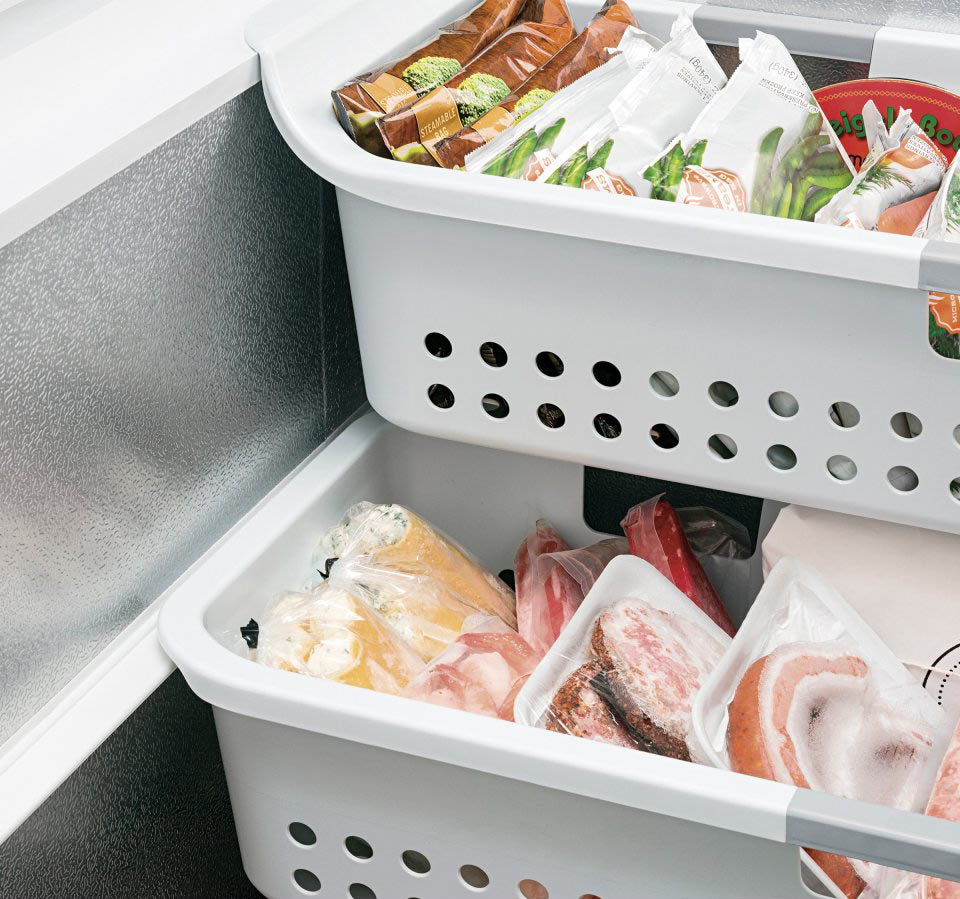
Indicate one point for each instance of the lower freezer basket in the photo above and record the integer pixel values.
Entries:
(348, 792)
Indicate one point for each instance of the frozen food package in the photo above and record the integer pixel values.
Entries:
(807, 694)
(942, 222)
(481, 671)
(896, 183)
(553, 579)
(612, 154)
(626, 668)
(472, 96)
(944, 802)
(874, 565)
(656, 535)
(333, 634)
(523, 153)
(711, 533)
(372, 539)
(583, 54)
(762, 145)
(387, 88)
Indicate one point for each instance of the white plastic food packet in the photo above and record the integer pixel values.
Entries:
(763, 145)
(897, 181)
(524, 150)
(627, 666)
(659, 102)
(807, 694)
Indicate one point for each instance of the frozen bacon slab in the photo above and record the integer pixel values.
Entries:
(656, 536)
(578, 709)
(945, 803)
(652, 665)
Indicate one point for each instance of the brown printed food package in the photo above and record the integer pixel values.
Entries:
(582, 55)
(543, 28)
(366, 98)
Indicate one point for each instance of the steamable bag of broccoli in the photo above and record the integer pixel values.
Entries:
(762, 145)
(542, 30)
(656, 105)
(524, 152)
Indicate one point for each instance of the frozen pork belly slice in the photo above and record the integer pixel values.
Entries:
(578, 709)
(653, 663)
(945, 803)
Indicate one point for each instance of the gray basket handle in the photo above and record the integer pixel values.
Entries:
(940, 266)
(890, 837)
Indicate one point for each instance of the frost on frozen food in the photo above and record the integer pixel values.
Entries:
(581, 55)
(613, 152)
(368, 97)
(333, 634)
(472, 96)
(656, 535)
(762, 145)
(578, 709)
(945, 803)
(897, 181)
(942, 222)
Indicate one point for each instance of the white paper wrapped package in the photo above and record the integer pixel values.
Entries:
(763, 145)
(897, 181)
(899, 579)
(808, 694)
(659, 102)
(627, 666)
(524, 150)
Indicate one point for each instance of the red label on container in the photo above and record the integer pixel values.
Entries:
(935, 110)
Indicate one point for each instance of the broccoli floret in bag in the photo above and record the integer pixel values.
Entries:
(429, 72)
(478, 94)
(531, 101)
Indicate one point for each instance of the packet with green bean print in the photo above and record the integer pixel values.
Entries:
(524, 151)
(763, 145)
(660, 101)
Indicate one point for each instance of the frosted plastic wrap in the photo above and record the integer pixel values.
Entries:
(481, 671)
(808, 695)
(945, 803)
(656, 535)
(553, 579)
(333, 634)
(626, 668)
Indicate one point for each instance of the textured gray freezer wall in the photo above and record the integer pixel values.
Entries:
(171, 345)
(931, 15)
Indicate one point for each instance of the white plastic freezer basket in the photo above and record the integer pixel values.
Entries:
(343, 792)
(492, 310)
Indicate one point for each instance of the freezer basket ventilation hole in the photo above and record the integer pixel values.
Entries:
(415, 862)
(496, 406)
(550, 364)
(906, 425)
(956, 434)
(843, 468)
(845, 415)
(607, 374)
(361, 891)
(306, 880)
(551, 416)
(664, 436)
(358, 848)
(438, 345)
(532, 889)
(607, 425)
(783, 404)
(722, 446)
(955, 489)
(440, 395)
(903, 479)
(589, 896)
(509, 578)
(781, 457)
(301, 834)
(664, 384)
(723, 394)
(474, 877)
(493, 354)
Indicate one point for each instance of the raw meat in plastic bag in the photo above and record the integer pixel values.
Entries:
(481, 672)
(945, 803)
(578, 709)
(656, 535)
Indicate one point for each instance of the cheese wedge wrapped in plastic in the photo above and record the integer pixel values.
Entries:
(333, 634)
(371, 542)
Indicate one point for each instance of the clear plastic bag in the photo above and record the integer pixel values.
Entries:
(656, 535)
(711, 533)
(552, 580)
(481, 671)
(333, 634)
